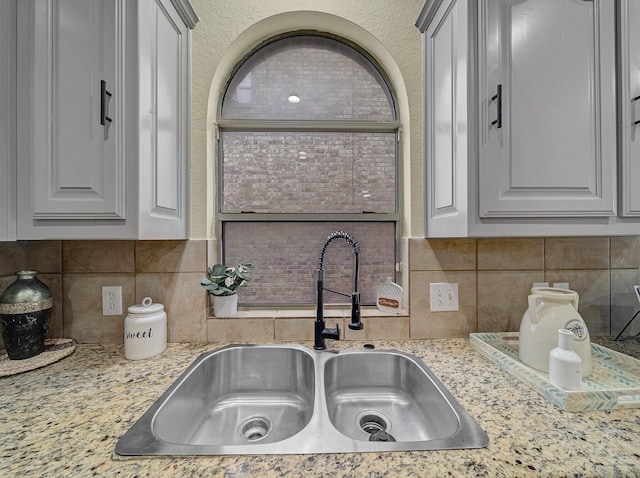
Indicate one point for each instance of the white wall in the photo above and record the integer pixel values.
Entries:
(230, 29)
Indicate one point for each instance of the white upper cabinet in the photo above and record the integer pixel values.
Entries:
(520, 119)
(547, 138)
(629, 110)
(104, 118)
(7, 120)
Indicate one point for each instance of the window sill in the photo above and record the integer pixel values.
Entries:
(304, 313)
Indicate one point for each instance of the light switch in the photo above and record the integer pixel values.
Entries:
(444, 296)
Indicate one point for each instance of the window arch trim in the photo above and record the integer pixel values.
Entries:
(313, 33)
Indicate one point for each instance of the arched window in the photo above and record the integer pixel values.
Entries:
(308, 144)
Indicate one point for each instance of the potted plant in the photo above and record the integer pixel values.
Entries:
(223, 283)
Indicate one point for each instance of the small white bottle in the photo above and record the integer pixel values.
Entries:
(564, 364)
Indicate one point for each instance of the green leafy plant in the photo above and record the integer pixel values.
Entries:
(224, 280)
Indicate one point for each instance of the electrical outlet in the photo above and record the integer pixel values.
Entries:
(444, 296)
(112, 300)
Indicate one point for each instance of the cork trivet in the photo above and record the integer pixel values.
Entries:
(55, 349)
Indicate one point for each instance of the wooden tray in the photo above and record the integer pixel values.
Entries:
(614, 382)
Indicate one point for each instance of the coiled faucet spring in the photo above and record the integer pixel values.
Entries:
(332, 237)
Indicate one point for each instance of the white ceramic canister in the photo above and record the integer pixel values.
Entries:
(145, 330)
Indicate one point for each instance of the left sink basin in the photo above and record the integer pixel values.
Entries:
(233, 397)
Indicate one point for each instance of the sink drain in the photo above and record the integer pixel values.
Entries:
(376, 424)
(255, 428)
(373, 423)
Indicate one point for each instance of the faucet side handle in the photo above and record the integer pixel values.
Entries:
(331, 333)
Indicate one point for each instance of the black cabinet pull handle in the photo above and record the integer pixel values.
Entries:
(632, 100)
(498, 99)
(104, 93)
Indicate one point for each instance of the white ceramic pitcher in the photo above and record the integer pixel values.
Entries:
(551, 309)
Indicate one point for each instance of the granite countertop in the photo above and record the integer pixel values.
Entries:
(65, 419)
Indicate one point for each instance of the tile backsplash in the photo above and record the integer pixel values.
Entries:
(75, 271)
(494, 277)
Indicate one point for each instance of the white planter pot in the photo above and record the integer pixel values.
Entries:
(225, 305)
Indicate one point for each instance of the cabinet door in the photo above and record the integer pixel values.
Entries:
(446, 55)
(77, 168)
(7, 120)
(553, 152)
(629, 108)
(163, 120)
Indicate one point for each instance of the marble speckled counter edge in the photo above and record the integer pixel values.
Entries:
(64, 420)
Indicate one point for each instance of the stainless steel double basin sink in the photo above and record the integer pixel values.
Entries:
(276, 399)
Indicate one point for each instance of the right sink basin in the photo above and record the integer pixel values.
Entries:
(386, 397)
(390, 396)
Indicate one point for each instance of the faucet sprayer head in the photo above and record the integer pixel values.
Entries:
(356, 322)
